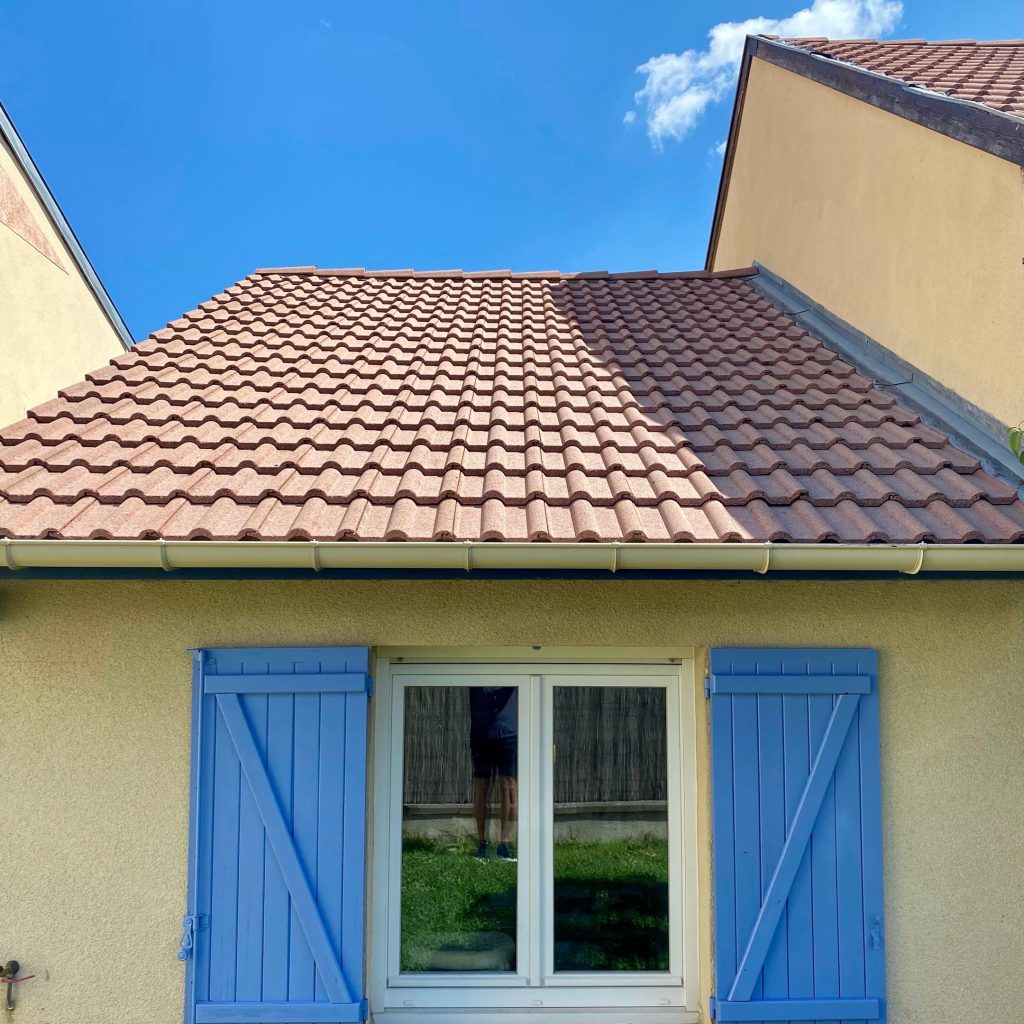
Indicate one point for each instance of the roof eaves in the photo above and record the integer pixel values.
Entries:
(46, 197)
(968, 426)
(975, 124)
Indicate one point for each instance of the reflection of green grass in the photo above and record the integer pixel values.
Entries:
(611, 901)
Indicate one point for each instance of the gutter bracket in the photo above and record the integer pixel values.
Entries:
(165, 561)
(767, 560)
(8, 557)
(315, 545)
(469, 556)
(918, 563)
(615, 558)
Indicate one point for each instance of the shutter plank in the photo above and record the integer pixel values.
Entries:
(251, 843)
(849, 874)
(353, 888)
(800, 936)
(224, 881)
(771, 767)
(824, 902)
(871, 840)
(330, 816)
(748, 830)
(277, 910)
(305, 799)
(724, 838)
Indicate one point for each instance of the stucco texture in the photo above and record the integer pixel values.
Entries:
(52, 329)
(95, 753)
(912, 237)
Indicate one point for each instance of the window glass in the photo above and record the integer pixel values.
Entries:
(610, 834)
(460, 828)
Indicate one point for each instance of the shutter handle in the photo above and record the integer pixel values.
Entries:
(190, 924)
(876, 933)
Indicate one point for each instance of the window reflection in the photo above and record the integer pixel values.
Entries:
(459, 829)
(610, 829)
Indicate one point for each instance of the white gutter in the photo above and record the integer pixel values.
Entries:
(468, 555)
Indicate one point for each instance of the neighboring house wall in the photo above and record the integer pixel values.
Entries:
(95, 753)
(52, 328)
(910, 236)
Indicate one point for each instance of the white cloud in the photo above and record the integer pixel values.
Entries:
(720, 146)
(681, 86)
(629, 117)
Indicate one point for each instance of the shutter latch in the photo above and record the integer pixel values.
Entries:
(190, 924)
(876, 933)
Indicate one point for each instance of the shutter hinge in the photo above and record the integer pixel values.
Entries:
(707, 686)
(369, 685)
(190, 924)
(713, 1008)
(364, 1009)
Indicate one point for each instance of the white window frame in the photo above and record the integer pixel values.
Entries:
(565, 996)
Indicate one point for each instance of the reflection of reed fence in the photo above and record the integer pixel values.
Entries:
(610, 744)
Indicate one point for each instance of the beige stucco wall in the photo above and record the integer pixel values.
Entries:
(911, 237)
(94, 754)
(52, 329)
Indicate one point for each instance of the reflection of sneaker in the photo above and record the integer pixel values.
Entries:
(505, 852)
(481, 850)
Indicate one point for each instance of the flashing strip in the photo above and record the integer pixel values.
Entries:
(967, 426)
(770, 558)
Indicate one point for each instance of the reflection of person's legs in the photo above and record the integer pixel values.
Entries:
(509, 791)
(481, 786)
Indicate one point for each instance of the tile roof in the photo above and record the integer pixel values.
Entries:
(991, 73)
(349, 405)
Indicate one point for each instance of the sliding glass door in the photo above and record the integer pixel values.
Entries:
(535, 836)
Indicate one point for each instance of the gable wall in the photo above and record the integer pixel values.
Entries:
(96, 684)
(911, 237)
(52, 329)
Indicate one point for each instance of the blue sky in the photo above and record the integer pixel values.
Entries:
(190, 143)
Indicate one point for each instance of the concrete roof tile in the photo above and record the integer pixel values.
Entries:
(302, 404)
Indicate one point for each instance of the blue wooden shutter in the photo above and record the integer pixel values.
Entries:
(275, 923)
(796, 823)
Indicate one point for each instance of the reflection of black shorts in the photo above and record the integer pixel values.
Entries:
(493, 756)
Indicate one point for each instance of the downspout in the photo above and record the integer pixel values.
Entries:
(316, 556)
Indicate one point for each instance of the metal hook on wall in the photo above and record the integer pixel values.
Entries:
(9, 977)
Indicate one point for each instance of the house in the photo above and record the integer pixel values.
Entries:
(882, 181)
(477, 647)
(57, 321)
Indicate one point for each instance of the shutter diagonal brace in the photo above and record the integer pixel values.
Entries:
(796, 843)
(303, 900)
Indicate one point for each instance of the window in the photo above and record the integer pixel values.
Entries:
(530, 838)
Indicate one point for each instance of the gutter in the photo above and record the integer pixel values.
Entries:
(64, 229)
(489, 555)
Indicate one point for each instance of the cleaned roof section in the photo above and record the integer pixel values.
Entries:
(345, 405)
(990, 73)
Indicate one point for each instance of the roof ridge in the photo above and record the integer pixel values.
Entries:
(312, 271)
(919, 41)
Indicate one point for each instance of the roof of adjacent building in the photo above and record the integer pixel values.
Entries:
(990, 73)
(306, 404)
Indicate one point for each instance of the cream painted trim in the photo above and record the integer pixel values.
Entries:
(505, 556)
